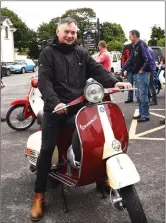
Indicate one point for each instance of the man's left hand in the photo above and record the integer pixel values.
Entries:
(124, 85)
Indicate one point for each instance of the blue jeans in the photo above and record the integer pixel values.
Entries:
(142, 84)
(130, 79)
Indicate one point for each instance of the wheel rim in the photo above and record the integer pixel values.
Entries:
(17, 120)
(23, 70)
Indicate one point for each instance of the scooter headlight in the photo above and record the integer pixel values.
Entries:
(116, 145)
(94, 92)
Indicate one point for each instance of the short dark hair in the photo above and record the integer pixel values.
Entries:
(135, 33)
(67, 20)
(103, 44)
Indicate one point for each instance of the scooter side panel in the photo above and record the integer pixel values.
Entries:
(92, 138)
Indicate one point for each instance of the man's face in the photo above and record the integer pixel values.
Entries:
(100, 47)
(132, 38)
(67, 33)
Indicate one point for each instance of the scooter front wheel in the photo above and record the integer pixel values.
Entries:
(15, 120)
(132, 204)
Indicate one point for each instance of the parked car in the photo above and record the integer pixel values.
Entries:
(159, 53)
(115, 60)
(5, 70)
(22, 66)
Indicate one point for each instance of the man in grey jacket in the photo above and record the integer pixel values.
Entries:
(64, 68)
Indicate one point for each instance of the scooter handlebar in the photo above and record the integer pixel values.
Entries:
(82, 98)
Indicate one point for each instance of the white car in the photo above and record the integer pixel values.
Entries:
(115, 60)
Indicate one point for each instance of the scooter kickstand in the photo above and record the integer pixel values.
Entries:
(103, 191)
(65, 208)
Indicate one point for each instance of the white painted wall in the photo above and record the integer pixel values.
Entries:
(7, 44)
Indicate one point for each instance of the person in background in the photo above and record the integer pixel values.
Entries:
(152, 90)
(140, 64)
(130, 76)
(104, 57)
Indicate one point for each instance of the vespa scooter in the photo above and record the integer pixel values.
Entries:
(24, 112)
(94, 150)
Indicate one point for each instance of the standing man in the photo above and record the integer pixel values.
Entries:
(64, 69)
(130, 76)
(140, 63)
(104, 56)
(152, 90)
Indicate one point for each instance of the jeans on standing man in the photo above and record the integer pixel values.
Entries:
(142, 82)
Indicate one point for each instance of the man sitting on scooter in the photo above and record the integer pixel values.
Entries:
(64, 68)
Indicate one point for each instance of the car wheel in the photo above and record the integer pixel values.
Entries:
(34, 69)
(23, 70)
(8, 73)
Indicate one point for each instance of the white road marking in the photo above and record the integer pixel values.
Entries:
(132, 131)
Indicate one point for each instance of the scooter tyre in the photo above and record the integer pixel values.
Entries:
(133, 205)
(9, 122)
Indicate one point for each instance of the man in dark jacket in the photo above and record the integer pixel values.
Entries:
(140, 64)
(130, 76)
(64, 68)
(152, 90)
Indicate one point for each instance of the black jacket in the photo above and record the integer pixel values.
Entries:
(63, 71)
(139, 59)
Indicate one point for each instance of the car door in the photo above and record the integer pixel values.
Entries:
(29, 65)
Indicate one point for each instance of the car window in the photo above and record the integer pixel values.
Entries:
(114, 58)
(118, 56)
(157, 53)
(19, 62)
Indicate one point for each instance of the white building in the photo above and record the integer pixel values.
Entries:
(7, 40)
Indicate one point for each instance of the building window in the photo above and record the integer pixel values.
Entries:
(6, 32)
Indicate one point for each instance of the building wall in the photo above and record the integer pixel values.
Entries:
(7, 44)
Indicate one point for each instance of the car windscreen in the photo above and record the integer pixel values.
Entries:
(18, 62)
(157, 53)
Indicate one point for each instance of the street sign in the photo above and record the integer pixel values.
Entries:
(89, 41)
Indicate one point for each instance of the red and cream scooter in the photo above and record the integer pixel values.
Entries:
(94, 150)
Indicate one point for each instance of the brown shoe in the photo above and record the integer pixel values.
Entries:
(37, 207)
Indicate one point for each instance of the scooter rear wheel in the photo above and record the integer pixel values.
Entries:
(12, 123)
(132, 204)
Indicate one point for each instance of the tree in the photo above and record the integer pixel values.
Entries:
(161, 42)
(47, 30)
(33, 45)
(20, 36)
(157, 37)
(113, 32)
(115, 45)
(157, 33)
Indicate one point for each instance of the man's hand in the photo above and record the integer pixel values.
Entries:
(141, 71)
(61, 105)
(125, 85)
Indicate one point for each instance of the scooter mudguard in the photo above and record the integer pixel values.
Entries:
(121, 171)
(19, 102)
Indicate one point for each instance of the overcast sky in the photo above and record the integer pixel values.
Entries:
(131, 15)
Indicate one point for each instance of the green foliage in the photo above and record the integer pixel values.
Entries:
(157, 37)
(47, 30)
(157, 33)
(115, 45)
(113, 31)
(161, 42)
